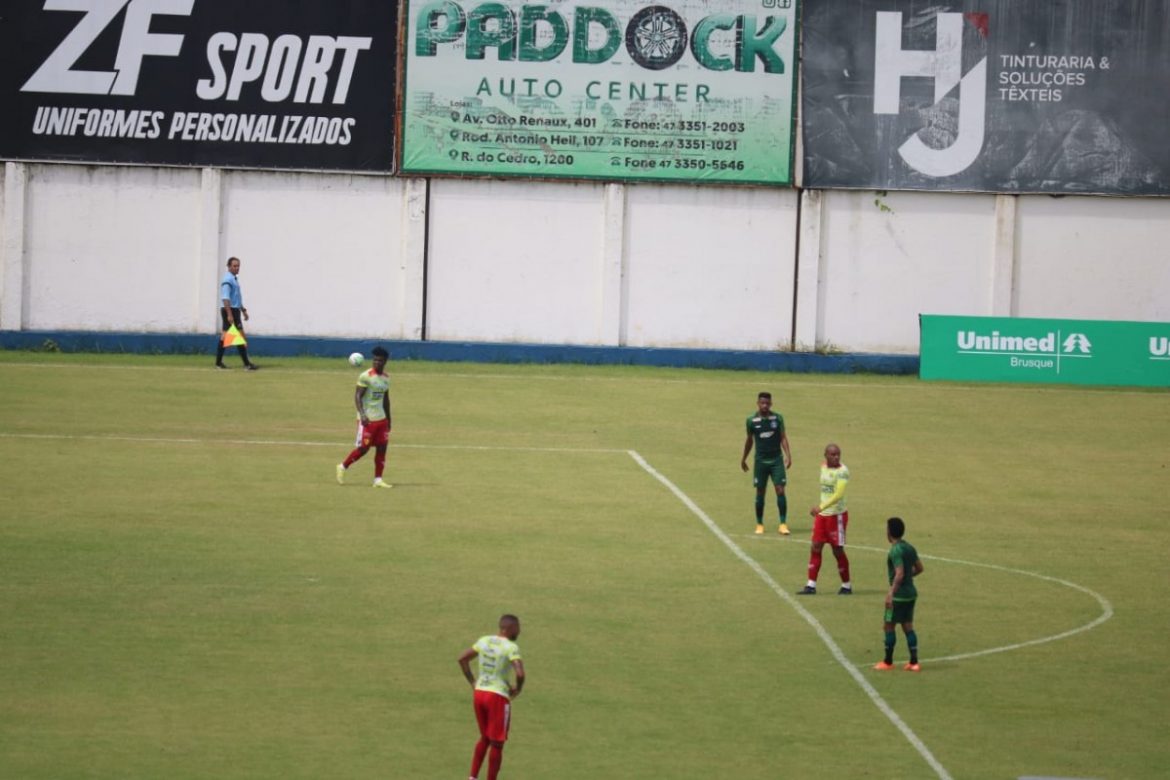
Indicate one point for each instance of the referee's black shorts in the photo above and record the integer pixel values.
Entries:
(235, 319)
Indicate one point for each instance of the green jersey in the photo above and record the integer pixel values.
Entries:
(903, 554)
(767, 432)
(377, 385)
(496, 655)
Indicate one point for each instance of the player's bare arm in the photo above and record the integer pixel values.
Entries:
(747, 450)
(918, 568)
(518, 668)
(465, 663)
(386, 408)
(358, 395)
(787, 452)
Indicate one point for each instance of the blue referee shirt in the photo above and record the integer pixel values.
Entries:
(229, 290)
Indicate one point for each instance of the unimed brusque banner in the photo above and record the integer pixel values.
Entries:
(1082, 352)
(233, 83)
(690, 90)
(988, 95)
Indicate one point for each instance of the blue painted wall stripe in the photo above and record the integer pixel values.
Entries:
(477, 352)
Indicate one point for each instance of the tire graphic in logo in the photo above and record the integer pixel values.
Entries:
(656, 37)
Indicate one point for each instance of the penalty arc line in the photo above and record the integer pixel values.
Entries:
(1106, 606)
(883, 706)
(1106, 610)
(808, 617)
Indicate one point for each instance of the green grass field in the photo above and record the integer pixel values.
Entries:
(187, 593)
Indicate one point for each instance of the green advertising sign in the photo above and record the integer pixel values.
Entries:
(1011, 349)
(697, 91)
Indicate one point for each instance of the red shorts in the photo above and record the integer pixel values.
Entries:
(375, 433)
(831, 529)
(494, 714)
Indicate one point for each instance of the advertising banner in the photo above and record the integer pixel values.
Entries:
(279, 84)
(987, 95)
(1016, 349)
(697, 90)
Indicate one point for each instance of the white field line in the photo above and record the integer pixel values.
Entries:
(834, 648)
(752, 382)
(1106, 607)
(278, 443)
(1106, 610)
(808, 617)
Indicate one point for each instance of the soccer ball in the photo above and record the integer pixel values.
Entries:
(356, 359)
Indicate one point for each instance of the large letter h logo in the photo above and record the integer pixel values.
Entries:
(944, 65)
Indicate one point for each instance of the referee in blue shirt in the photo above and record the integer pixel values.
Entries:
(231, 310)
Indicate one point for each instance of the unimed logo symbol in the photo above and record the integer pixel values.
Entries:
(944, 64)
(1077, 343)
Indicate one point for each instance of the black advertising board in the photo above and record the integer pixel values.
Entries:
(295, 84)
(1046, 96)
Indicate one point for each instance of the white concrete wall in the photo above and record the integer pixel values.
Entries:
(110, 248)
(322, 255)
(881, 260)
(1093, 258)
(710, 267)
(517, 262)
(142, 249)
(12, 247)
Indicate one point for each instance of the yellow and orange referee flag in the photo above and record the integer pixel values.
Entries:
(233, 338)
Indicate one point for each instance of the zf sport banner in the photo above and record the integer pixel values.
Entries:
(693, 90)
(988, 95)
(274, 84)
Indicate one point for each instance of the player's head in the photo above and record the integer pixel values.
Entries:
(764, 401)
(510, 626)
(380, 357)
(832, 455)
(233, 265)
(895, 529)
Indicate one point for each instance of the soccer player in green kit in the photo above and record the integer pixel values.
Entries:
(766, 430)
(903, 565)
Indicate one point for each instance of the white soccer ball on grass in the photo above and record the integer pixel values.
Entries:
(356, 359)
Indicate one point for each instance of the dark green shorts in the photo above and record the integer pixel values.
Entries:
(765, 471)
(903, 612)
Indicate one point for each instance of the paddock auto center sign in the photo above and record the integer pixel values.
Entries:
(1082, 352)
(693, 90)
(274, 84)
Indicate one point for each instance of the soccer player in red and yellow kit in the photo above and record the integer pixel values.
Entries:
(494, 692)
(831, 520)
(372, 399)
